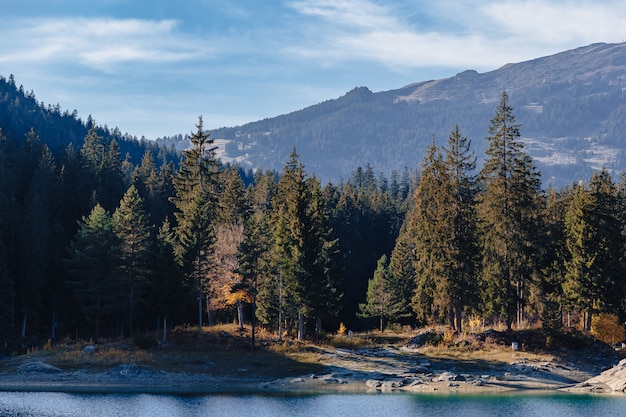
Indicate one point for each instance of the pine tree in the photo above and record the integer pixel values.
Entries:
(288, 226)
(35, 239)
(462, 250)
(593, 280)
(384, 298)
(303, 246)
(93, 266)
(166, 289)
(553, 265)
(195, 186)
(434, 232)
(134, 232)
(509, 218)
(402, 263)
(255, 250)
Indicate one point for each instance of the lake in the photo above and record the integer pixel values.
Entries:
(25, 404)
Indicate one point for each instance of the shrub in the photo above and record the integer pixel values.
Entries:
(607, 328)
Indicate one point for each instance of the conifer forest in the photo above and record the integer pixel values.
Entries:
(99, 238)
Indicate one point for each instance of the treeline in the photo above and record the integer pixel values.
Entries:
(496, 246)
(92, 245)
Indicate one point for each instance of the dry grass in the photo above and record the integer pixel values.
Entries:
(220, 350)
(224, 351)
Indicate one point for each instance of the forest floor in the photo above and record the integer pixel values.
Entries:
(222, 360)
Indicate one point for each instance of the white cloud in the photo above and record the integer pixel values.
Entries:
(354, 13)
(479, 35)
(98, 43)
(559, 22)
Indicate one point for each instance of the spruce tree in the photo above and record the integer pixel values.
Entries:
(443, 224)
(303, 246)
(134, 231)
(509, 218)
(195, 187)
(93, 266)
(462, 249)
(384, 298)
(594, 273)
(166, 287)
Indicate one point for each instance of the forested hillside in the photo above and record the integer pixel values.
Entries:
(571, 106)
(20, 112)
(94, 244)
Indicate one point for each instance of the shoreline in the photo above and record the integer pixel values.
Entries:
(336, 381)
(381, 369)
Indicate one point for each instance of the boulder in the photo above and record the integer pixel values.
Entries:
(89, 350)
(37, 366)
(614, 378)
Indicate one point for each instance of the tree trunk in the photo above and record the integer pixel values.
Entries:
(24, 320)
(280, 308)
(300, 326)
(254, 318)
(588, 321)
(200, 310)
(131, 306)
(451, 317)
(240, 314)
(459, 318)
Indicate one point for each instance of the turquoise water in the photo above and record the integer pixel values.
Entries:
(14, 404)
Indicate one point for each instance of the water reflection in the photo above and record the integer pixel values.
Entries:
(75, 405)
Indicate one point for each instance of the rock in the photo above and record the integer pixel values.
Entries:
(373, 383)
(421, 339)
(388, 385)
(128, 371)
(37, 366)
(296, 380)
(614, 378)
(89, 350)
(446, 376)
(334, 381)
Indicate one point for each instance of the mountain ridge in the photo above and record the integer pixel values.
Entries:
(571, 107)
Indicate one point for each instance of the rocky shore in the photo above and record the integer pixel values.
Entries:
(382, 369)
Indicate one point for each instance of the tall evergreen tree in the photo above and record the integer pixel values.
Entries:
(195, 186)
(594, 278)
(303, 247)
(93, 266)
(35, 239)
(509, 218)
(134, 231)
(462, 251)
(553, 265)
(166, 289)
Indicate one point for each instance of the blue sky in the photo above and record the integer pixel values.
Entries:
(151, 67)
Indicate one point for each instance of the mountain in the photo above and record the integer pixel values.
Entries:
(571, 107)
(20, 112)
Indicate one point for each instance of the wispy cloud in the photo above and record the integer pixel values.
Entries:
(474, 34)
(98, 43)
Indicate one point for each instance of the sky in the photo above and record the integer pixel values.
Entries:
(152, 67)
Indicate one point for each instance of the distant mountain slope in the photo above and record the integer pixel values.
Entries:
(572, 108)
(20, 112)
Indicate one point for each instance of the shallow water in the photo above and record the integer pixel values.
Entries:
(14, 404)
